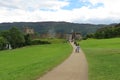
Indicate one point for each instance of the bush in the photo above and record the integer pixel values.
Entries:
(54, 40)
(37, 42)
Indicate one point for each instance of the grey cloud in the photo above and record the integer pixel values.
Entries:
(99, 21)
(34, 4)
(5, 5)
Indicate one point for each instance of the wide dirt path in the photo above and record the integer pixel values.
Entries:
(73, 68)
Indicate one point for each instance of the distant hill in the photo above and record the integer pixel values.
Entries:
(57, 27)
(108, 32)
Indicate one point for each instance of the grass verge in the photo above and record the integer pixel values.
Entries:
(103, 58)
(30, 62)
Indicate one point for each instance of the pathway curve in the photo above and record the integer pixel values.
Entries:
(73, 68)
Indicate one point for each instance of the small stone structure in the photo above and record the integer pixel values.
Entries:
(74, 36)
(78, 36)
(28, 30)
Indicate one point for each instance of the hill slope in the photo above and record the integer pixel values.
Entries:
(57, 27)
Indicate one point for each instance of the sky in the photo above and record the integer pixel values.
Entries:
(76, 11)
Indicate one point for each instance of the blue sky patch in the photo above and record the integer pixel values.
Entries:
(74, 4)
(97, 5)
(78, 4)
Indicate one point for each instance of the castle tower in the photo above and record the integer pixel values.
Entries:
(28, 30)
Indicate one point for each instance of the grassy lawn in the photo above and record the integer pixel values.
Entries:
(103, 58)
(30, 62)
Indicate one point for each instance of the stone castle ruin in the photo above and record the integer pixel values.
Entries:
(52, 34)
(28, 30)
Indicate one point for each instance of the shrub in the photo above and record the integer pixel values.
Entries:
(37, 42)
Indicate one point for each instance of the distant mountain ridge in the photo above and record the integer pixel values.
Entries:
(56, 27)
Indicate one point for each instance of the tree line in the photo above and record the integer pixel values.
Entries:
(106, 32)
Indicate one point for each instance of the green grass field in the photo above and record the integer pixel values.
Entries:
(103, 57)
(30, 62)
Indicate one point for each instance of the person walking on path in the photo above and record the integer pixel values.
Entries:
(77, 50)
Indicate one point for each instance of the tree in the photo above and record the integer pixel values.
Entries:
(16, 37)
(27, 39)
(5, 34)
(3, 43)
(108, 32)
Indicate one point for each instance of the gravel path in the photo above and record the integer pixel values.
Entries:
(73, 68)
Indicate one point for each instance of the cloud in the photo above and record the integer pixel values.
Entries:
(35, 4)
(97, 11)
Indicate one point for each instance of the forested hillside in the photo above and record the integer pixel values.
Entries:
(108, 32)
(57, 27)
